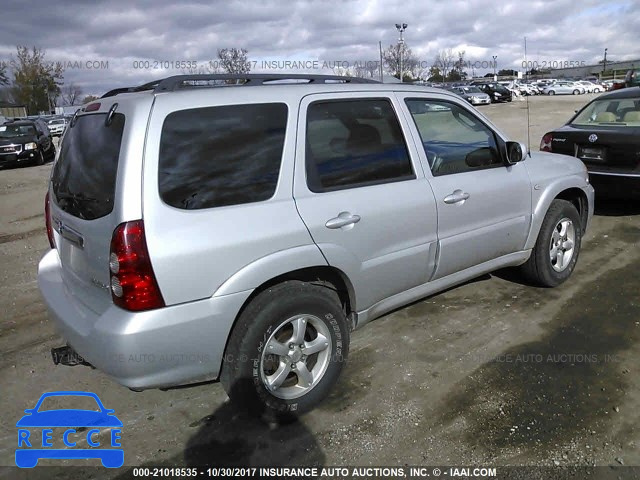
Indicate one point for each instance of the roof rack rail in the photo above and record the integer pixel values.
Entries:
(139, 88)
(176, 82)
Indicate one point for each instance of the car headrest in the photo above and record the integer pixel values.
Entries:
(633, 116)
(606, 117)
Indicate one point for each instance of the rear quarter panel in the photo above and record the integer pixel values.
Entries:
(194, 252)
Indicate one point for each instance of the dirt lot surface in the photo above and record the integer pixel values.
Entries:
(493, 372)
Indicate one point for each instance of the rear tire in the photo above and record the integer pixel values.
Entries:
(556, 251)
(268, 368)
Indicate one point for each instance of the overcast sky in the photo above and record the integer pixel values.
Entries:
(124, 35)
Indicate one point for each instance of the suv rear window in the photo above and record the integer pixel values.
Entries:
(84, 177)
(219, 156)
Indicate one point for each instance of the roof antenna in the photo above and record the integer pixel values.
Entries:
(526, 74)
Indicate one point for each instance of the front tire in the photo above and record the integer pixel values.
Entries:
(40, 158)
(286, 351)
(555, 253)
(576, 92)
(551, 92)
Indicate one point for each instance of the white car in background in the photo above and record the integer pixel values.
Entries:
(591, 87)
(57, 126)
(581, 88)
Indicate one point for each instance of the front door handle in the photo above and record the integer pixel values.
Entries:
(342, 220)
(456, 197)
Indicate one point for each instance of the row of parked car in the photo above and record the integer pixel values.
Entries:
(484, 92)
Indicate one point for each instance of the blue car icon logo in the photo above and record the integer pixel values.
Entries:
(44, 433)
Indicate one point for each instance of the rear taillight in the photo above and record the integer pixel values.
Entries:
(133, 283)
(47, 221)
(545, 143)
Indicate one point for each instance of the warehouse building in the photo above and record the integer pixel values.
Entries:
(615, 70)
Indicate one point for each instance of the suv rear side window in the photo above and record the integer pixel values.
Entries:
(354, 143)
(84, 177)
(217, 156)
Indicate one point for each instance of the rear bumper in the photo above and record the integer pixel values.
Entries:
(614, 184)
(166, 347)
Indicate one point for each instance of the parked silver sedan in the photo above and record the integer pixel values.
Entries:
(562, 88)
(473, 95)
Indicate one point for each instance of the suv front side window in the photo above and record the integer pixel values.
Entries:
(354, 143)
(454, 140)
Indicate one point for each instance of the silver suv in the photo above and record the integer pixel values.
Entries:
(239, 228)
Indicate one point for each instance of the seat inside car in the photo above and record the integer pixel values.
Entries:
(633, 116)
(606, 117)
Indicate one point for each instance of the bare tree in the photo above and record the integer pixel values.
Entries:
(391, 59)
(4, 80)
(232, 60)
(344, 71)
(367, 69)
(459, 65)
(444, 61)
(71, 94)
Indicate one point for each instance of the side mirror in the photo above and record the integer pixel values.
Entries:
(516, 152)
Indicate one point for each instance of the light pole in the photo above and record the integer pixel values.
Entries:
(401, 28)
(495, 63)
(604, 64)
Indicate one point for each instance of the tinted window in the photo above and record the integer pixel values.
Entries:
(354, 143)
(84, 177)
(216, 156)
(454, 140)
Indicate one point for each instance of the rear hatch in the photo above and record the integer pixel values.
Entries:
(605, 149)
(83, 189)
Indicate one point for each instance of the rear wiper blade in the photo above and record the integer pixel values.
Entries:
(75, 197)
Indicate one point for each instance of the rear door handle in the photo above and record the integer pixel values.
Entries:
(342, 220)
(456, 197)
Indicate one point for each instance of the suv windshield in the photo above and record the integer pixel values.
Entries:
(8, 131)
(84, 177)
